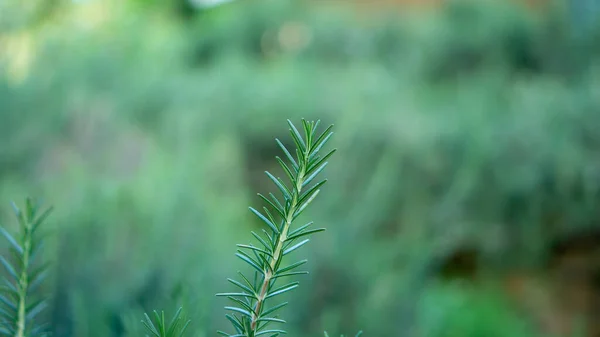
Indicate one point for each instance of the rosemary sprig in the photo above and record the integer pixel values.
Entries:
(250, 315)
(18, 309)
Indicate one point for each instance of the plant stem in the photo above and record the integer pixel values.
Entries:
(281, 240)
(23, 282)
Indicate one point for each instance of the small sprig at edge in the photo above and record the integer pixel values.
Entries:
(160, 328)
(18, 309)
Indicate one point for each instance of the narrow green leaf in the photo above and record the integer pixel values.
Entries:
(242, 303)
(35, 308)
(275, 207)
(281, 291)
(150, 326)
(242, 286)
(264, 332)
(271, 319)
(270, 217)
(314, 174)
(11, 240)
(267, 221)
(297, 137)
(252, 286)
(237, 294)
(239, 310)
(299, 229)
(291, 267)
(174, 322)
(41, 219)
(315, 127)
(323, 137)
(277, 202)
(294, 247)
(6, 316)
(301, 234)
(310, 191)
(184, 328)
(18, 214)
(274, 308)
(284, 190)
(271, 239)
(307, 130)
(294, 273)
(255, 249)
(288, 155)
(286, 169)
(235, 322)
(319, 162)
(9, 268)
(8, 304)
(262, 241)
(305, 204)
(250, 261)
(37, 280)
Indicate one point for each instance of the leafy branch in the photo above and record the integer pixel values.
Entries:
(250, 316)
(17, 309)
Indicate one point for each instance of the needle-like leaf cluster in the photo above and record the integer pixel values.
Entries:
(255, 306)
(18, 307)
(160, 328)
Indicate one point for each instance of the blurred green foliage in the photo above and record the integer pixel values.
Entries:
(149, 127)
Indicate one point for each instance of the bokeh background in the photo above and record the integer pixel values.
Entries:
(463, 199)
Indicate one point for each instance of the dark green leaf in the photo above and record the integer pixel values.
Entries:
(242, 286)
(282, 290)
(291, 267)
(274, 308)
(239, 310)
(288, 155)
(284, 190)
(275, 207)
(297, 137)
(286, 169)
(250, 261)
(319, 162)
(301, 234)
(267, 221)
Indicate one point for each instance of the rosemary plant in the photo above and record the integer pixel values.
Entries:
(17, 307)
(159, 328)
(253, 311)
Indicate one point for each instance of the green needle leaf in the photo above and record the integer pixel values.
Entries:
(281, 291)
(296, 246)
(267, 221)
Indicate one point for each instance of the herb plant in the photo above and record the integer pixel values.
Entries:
(18, 309)
(254, 307)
